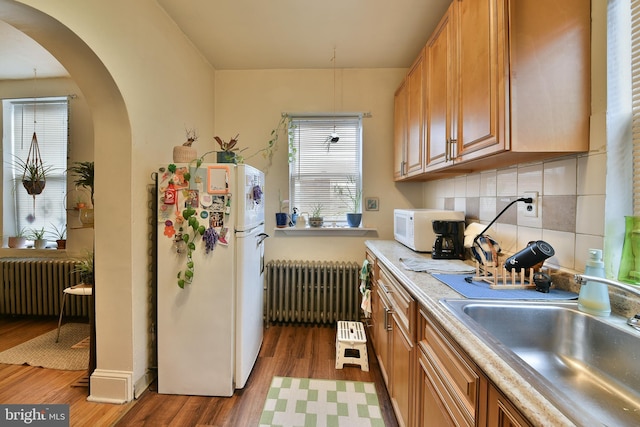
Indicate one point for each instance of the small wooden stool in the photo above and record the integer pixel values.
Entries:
(351, 345)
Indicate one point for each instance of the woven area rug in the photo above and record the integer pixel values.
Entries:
(305, 402)
(66, 354)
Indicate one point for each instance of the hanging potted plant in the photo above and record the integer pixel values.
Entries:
(34, 175)
(84, 172)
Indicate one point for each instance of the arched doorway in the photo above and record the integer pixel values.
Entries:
(112, 139)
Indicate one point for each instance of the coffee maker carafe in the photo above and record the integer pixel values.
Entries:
(449, 242)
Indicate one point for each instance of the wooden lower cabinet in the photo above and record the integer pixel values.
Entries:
(401, 383)
(431, 380)
(501, 413)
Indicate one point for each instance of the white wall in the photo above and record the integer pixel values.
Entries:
(144, 83)
(250, 103)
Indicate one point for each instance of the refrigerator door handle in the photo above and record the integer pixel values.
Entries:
(261, 238)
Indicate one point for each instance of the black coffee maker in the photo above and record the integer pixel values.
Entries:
(449, 243)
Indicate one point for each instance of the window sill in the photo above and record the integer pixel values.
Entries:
(324, 231)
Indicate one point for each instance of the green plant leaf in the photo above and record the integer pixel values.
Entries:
(201, 230)
(192, 246)
(185, 238)
(188, 274)
(181, 284)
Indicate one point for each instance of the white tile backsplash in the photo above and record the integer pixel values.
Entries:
(507, 182)
(488, 184)
(592, 171)
(560, 177)
(590, 215)
(581, 177)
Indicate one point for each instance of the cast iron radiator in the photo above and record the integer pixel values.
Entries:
(33, 286)
(312, 292)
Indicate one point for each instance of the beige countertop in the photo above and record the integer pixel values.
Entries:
(428, 291)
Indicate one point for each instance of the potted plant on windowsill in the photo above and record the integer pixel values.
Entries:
(60, 235)
(316, 220)
(39, 241)
(85, 174)
(352, 195)
(18, 240)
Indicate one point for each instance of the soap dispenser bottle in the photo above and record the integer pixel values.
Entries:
(594, 296)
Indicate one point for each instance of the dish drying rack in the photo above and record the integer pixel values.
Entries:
(501, 278)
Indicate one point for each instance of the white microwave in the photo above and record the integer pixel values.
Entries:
(414, 229)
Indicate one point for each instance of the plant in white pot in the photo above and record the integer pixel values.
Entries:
(351, 193)
(37, 235)
(316, 220)
(18, 240)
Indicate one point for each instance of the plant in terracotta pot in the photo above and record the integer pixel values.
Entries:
(60, 235)
(351, 194)
(84, 172)
(37, 235)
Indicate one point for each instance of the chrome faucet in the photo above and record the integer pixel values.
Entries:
(582, 279)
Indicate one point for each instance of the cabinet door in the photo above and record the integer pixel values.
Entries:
(414, 150)
(481, 29)
(440, 88)
(431, 411)
(401, 384)
(501, 412)
(399, 131)
(381, 325)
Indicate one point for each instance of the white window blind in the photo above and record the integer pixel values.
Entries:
(48, 117)
(635, 93)
(322, 167)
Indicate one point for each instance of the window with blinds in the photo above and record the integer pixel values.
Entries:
(325, 173)
(48, 117)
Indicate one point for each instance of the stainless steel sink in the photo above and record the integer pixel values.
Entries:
(588, 367)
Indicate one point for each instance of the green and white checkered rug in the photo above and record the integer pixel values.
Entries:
(305, 402)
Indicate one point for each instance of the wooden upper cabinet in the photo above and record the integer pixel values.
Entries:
(505, 82)
(414, 151)
(480, 102)
(399, 131)
(408, 123)
(440, 82)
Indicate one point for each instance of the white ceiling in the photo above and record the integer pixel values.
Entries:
(272, 34)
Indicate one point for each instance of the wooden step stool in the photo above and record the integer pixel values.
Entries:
(351, 345)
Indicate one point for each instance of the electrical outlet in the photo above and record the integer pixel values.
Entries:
(531, 209)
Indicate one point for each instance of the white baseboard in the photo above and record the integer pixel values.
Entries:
(143, 383)
(111, 386)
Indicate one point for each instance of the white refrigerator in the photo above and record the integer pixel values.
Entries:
(209, 328)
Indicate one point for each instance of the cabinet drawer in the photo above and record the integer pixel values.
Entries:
(403, 305)
(449, 411)
(453, 370)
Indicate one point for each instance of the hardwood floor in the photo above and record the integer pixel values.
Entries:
(296, 351)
